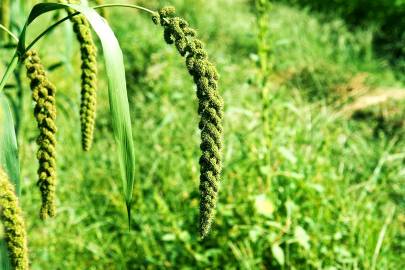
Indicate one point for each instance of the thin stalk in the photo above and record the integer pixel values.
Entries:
(13, 64)
(10, 69)
(264, 70)
(50, 28)
(19, 111)
(2, 27)
(125, 5)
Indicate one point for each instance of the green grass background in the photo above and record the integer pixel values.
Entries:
(333, 185)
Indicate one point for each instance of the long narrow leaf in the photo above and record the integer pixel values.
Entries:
(117, 89)
(8, 161)
(8, 144)
(117, 92)
(5, 263)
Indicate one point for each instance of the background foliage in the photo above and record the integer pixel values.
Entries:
(385, 17)
(332, 196)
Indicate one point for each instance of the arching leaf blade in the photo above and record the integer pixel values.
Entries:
(117, 92)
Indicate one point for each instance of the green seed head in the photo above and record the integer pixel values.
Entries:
(205, 75)
(14, 228)
(88, 51)
(43, 94)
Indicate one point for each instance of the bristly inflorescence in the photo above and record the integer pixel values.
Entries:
(88, 52)
(13, 223)
(210, 109)
(43, 94)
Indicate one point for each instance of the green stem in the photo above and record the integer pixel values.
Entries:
(13, 64)
(2, 27)
(50, 28)
(125, 5)
(10, 69)
(19, 102)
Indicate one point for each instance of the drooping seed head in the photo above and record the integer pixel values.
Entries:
(88, 52)
(13, 223)
(43, 95)
(210, 109)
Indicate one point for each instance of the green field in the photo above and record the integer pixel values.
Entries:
(319, 185)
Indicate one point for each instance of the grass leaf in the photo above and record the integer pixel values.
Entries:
(8, 144)
(4, 258)
(8, 161)
(117, 93)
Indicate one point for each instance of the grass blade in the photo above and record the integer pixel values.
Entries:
(8, 161)
(4, 258)
(8, 144)
(117, 93)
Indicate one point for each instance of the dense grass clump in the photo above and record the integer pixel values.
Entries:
(382, 16)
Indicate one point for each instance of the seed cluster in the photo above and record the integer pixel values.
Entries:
(210, 109)
(13, 223)
(43, 94)
(88, 53)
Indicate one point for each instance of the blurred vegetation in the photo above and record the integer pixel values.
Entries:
(384, 17)
(332, 196)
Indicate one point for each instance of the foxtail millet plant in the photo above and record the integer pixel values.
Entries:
(13, 223)
(43, 94)
(210, 108)
(204, 73)
(88, 51)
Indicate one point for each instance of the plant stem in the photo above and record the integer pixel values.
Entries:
(264, 70)
(19, 110)
(50, 28)
(2, 27)
(9, 71)
(125, 5)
